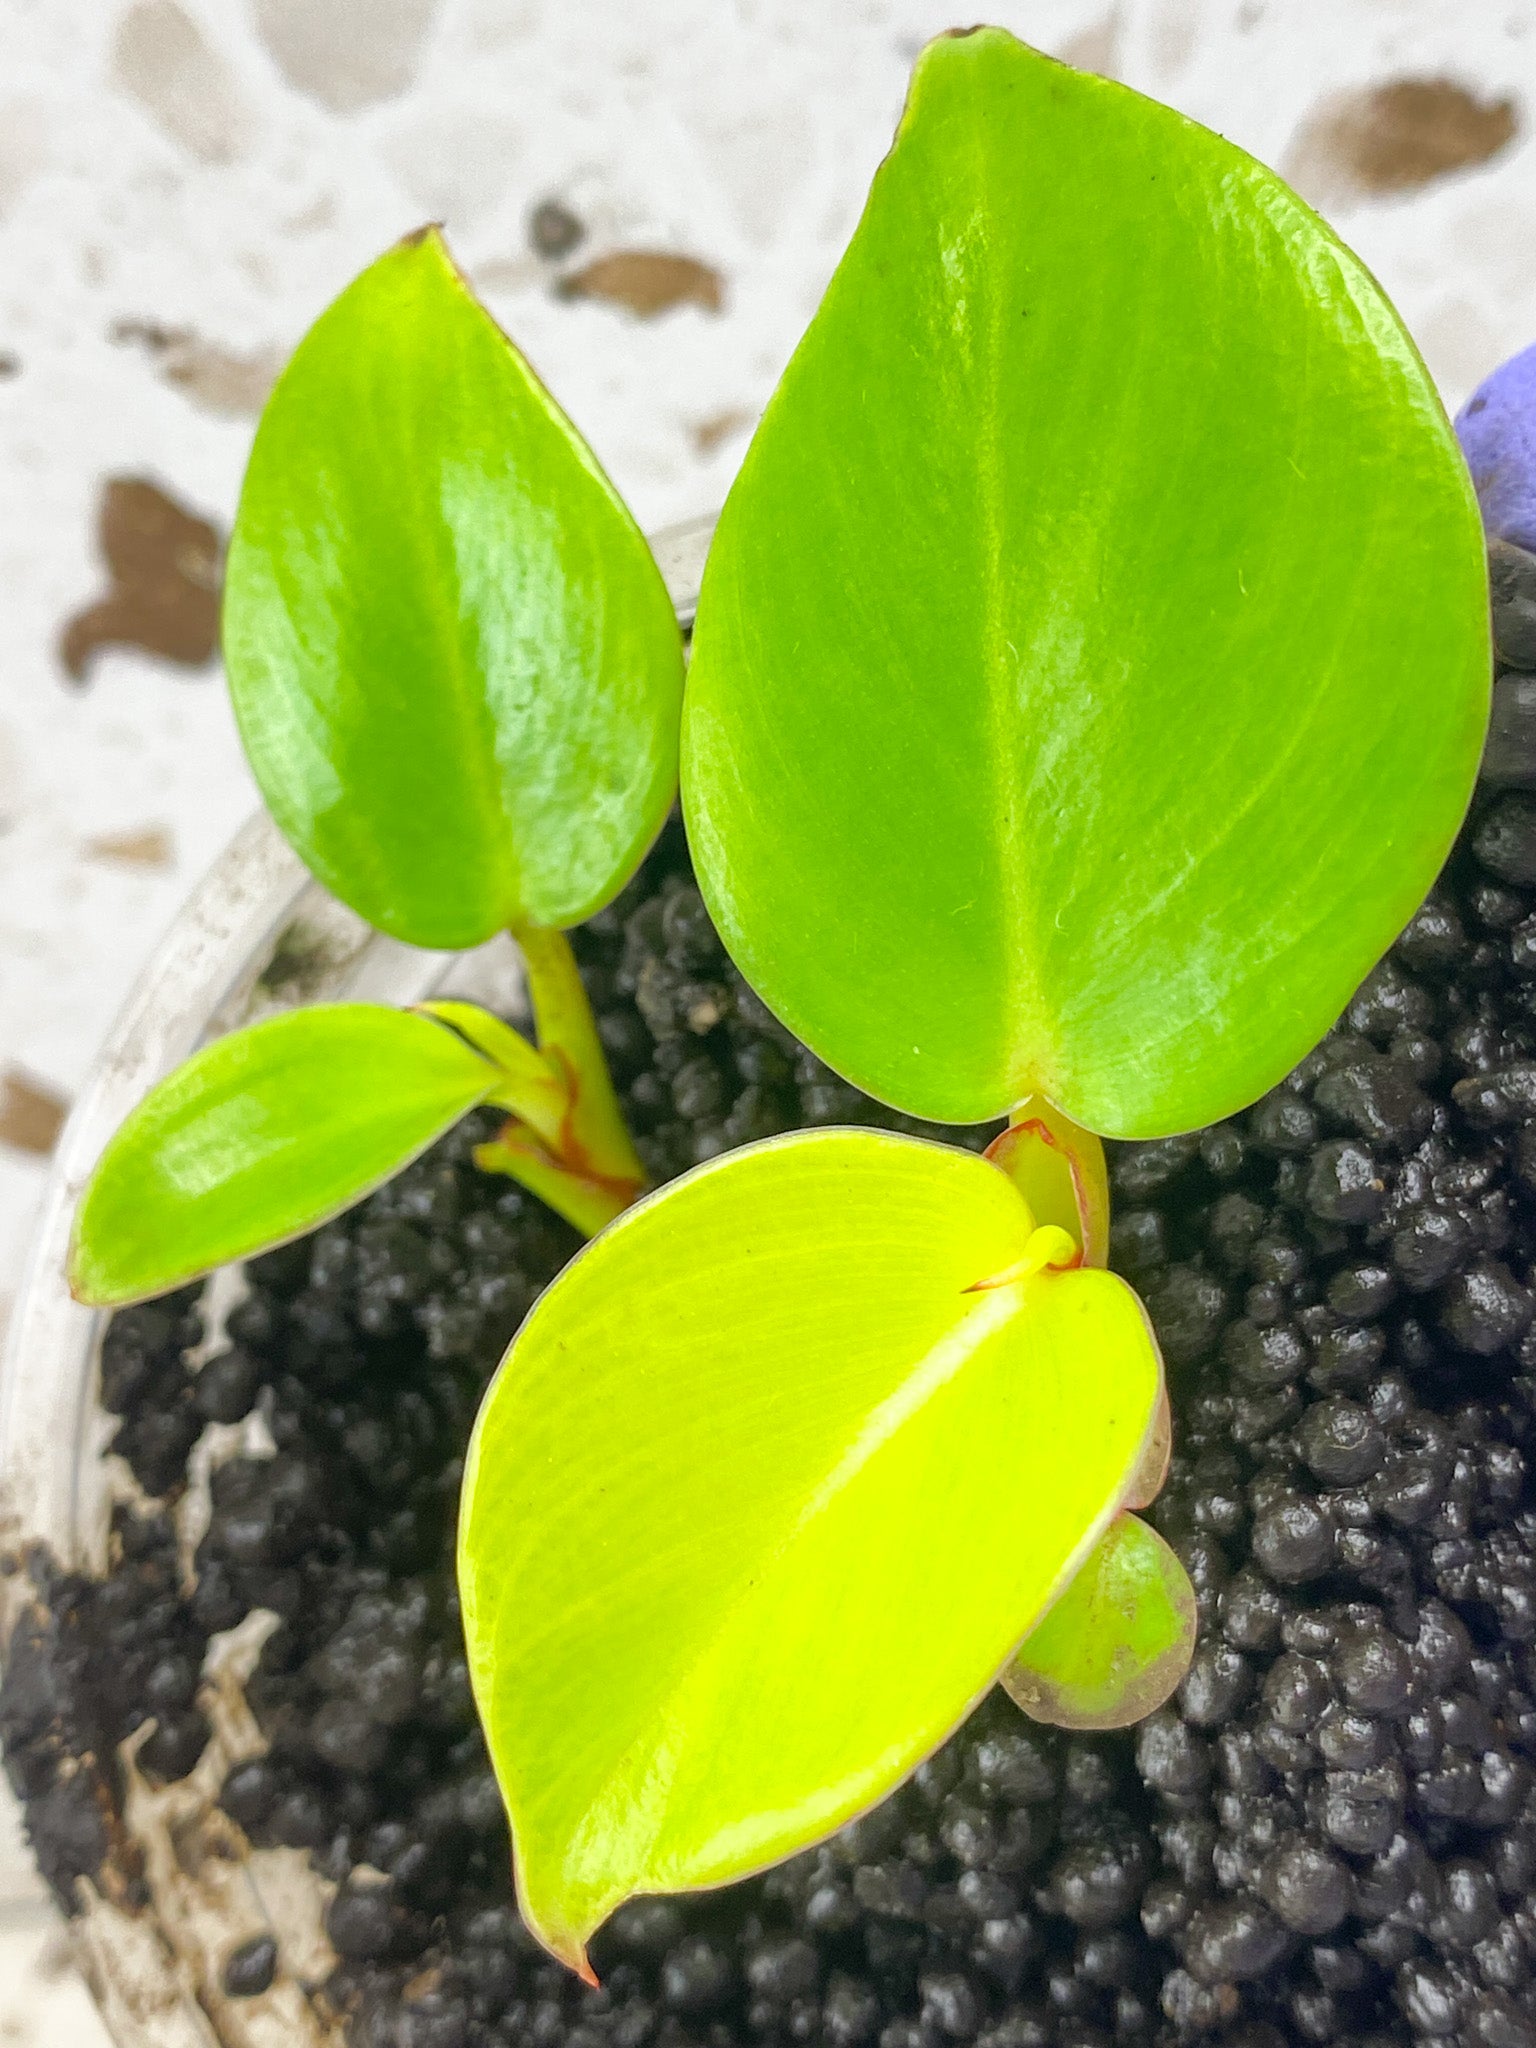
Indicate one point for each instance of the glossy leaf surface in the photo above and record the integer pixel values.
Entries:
(1117, 1642)
(1092, 658)
(454, 663)
(763, 1496)
(264, 1134)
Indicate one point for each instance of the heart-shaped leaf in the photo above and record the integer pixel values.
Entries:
(1116, 1643)
(264, 1134)
(455, 666)
(1092, 658)
(775, 1476)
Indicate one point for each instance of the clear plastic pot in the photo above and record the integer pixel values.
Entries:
(257, 936)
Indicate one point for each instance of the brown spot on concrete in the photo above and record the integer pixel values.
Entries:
(25, 146)
(1174, 31)
(150, 846)
(508, 274)
(553, 230)
(161, 59)
(707, 435)
(1096, 48)
(647, 282)
(1394, 138)
(223, 381)
(456, 161)
(311, 219)
(346, 53)
(31, 1115)
(166, 567)
(10, 365)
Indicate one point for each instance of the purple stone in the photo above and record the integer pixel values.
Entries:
(1497, 430)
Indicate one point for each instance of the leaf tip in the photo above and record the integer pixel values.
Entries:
(429, 243)
(566, 1948)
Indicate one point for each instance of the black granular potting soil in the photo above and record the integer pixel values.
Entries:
(1329, 1837)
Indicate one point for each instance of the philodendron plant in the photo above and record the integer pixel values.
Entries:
(1088, 681)
(457, 676)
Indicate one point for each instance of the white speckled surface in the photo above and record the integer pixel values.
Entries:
(224, 166)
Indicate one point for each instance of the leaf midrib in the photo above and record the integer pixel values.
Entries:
(1000, 662)
(979, 1321)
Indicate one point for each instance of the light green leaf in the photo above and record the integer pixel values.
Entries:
(1092, 659)
(1117, 1642)
(773, 1479)
(454, 663)
(262, 1135)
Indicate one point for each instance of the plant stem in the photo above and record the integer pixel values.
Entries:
(1058, 1167)
(566, 1140)
(1060, 1170)
(531, 1087)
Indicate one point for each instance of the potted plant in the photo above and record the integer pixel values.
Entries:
(1089, 678)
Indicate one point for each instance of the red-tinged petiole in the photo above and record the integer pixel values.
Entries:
(531, 1086)
(1058, 1167)
(565, 1138)
(594, 1135)
(588, 1200)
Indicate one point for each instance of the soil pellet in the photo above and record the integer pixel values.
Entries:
(250, 1969)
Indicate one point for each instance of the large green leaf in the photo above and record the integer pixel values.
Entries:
(455, 666)
(264, 1134)
(775, 1476)
(1092, 659)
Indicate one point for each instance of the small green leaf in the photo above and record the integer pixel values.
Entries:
(1116, 1643)
(454, 663)
(264, 1134)
(595, 1139)
(771, 1482)
(1092, 659)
